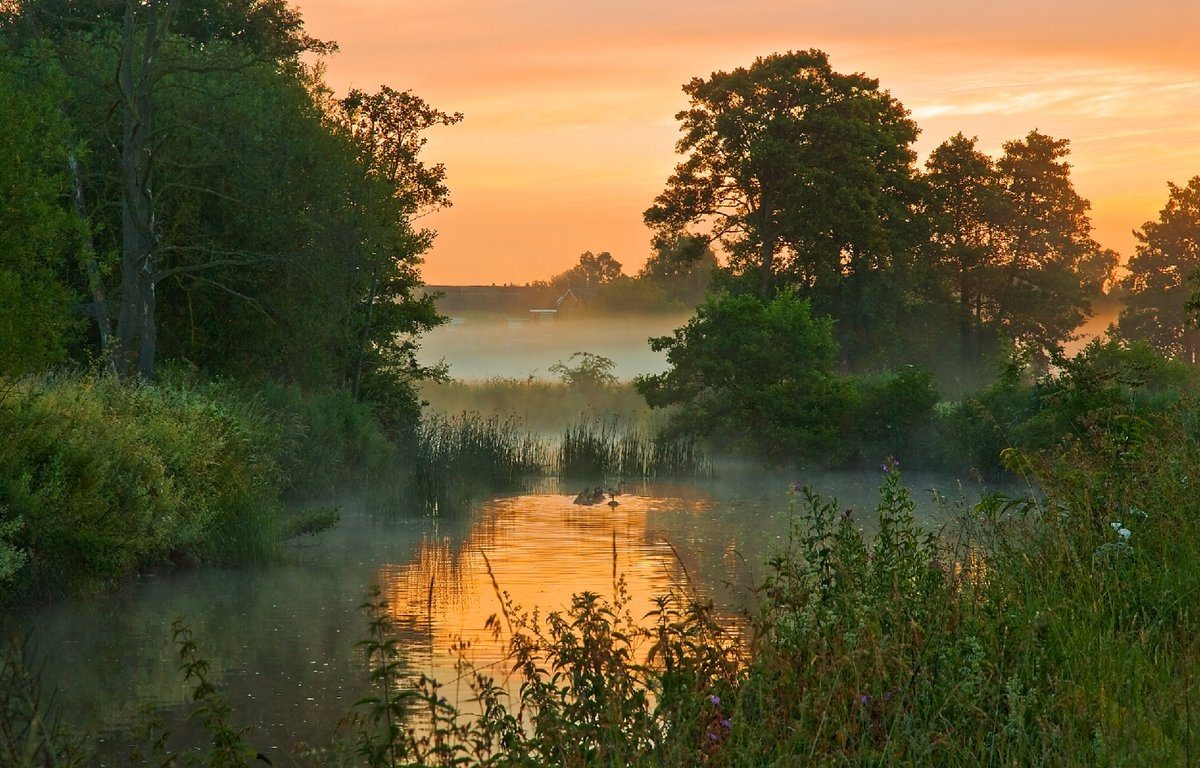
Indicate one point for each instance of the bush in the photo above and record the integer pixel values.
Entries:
(100, 479)
(757, 374)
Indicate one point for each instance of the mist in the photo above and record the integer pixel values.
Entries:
(480, 346)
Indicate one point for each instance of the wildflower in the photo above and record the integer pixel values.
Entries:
(715, 700)
(1124, 533)
(726, 723)
(864, 699)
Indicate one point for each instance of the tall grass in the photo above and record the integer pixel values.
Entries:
(600, 447)
(542, 406)
(450, 460)
(99, 479)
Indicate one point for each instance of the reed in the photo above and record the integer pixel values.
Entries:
(454, 459)
(598, 446)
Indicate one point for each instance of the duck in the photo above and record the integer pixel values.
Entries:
(589, 496)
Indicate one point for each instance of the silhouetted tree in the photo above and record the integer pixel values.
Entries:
(592, 271)
(788, 157)
(1162, 274)
(1052, 268)
(967, 209)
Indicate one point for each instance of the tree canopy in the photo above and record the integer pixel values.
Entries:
(1162, 275)
(789, 158)
(229, 212)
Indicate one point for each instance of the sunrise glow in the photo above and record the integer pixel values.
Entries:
(569, 129)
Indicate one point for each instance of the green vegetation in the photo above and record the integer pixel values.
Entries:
(1059, 631)
(209, 318)
(99, 479)
(596, 447)
(762, 376)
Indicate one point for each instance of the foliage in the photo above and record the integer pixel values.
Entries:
(894, 412)
(270, 231)
(1114, 388)
(757, 373)
(40, 241)
(1053, 267)
(590, 372)
(1158, 287)
(682, 269)
(99, 480)
(788, 157)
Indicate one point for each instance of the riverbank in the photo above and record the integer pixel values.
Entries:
(1019, 632)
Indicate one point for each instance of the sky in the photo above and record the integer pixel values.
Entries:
(569, 129)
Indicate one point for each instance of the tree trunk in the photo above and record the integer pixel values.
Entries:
(365, 339)
(767, 253)
(136, 322)
(99, 305)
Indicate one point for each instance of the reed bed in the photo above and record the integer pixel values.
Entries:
(455, 458)
(597, 446)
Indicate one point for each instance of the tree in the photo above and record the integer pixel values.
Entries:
(252, 224)
(390, 126)
(757, 372)
(150, 56)
(682, 269)
(967, 208)
(789, 157)
(1052, 267)
(592, 271)
(1162, 274)
(40, 241)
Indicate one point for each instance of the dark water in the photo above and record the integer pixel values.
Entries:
(283, 638)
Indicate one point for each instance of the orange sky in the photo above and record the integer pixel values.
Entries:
(569, 131)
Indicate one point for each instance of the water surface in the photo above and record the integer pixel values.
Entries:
(283, 637)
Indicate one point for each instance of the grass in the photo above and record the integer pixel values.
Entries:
(600, 447)
(450, 460)
(542, 406)
(1027, 632)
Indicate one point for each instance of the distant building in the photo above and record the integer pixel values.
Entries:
(512, 301)
(563, 305)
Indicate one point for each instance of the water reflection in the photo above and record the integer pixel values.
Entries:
(283, 638)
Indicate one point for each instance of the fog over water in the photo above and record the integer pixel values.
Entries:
(283, 637)
(478, 346)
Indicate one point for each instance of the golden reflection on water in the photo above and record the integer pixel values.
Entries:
(542, 549)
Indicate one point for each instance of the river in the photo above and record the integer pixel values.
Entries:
(283, 638)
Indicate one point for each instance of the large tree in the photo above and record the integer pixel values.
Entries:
(967, 208)
(1161, 276)
(789, 158)
(247, 221)
(1052, 268)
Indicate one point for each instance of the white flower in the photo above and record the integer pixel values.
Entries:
(1124, 533)
(1116, 526)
